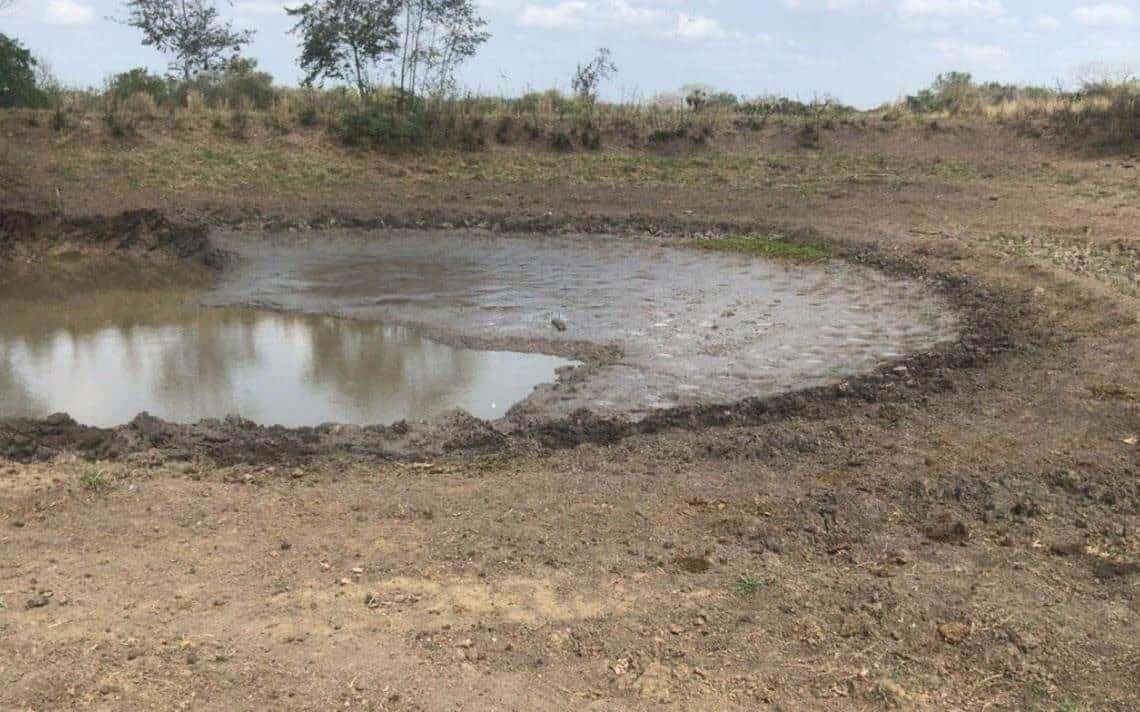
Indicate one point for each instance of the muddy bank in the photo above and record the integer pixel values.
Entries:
(988, 324)
(50, 256)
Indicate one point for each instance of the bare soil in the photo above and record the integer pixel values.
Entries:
(958, 535)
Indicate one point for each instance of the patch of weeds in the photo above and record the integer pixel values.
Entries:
(662, 136)
(591, 138)
(773, 247)
(308, 116)
(94, 479)
(808, 136)
(561, 141)
(239, 123)
(746, 585)
(471, 139)
(504, 128)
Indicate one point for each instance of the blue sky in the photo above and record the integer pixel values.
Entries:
(861, 51)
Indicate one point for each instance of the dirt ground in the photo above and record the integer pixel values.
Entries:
(960, 535)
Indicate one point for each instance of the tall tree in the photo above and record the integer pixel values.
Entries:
(438, 35)
(346, 40)
(191, 31)
(18, 75)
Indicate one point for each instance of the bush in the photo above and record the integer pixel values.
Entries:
(18, 76)
(808, 136)
(239, 81)
(561, 141)
(121, 87)
(377, 124)
(503, 129)
(591, 138)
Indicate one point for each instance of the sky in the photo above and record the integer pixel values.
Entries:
(863, 52)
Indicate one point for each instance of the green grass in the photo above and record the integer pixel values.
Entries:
(776, 248)
(94, 479)
(746, 585)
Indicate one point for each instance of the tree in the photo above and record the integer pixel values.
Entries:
(18, 75)
(346, 39)
(190, 31)
(437, 36)
(588, 77)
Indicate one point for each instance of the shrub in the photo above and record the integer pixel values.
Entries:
(121, 87)
(591, 137)
(239, 81)
(503, 129)
(561, 141)
(808, 136)
(377, 124)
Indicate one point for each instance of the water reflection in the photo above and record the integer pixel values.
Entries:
(107, 359)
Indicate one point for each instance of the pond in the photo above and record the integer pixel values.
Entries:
(107, 359)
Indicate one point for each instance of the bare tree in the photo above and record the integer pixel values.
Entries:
(190, 31)
(588, 77)
(437, 36)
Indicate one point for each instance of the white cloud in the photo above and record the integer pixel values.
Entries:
(578, 14)
(68, 12)
(951, 8)
(957, 51)
(570, 15)
(697, 28)
(829, 5)
(1104, 15)
(1047, 22)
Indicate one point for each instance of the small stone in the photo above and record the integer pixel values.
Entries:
(466, 643)
(38, 601)
(558, 324)
(954, 633)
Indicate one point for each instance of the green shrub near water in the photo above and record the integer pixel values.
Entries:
(772, 247)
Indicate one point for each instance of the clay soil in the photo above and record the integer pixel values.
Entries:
(959, 531)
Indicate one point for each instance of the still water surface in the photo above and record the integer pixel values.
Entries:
(105, 359)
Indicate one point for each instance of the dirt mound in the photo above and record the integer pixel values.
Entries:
(138, 233)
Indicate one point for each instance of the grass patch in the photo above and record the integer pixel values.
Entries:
(94, 479)
(746, 585)
(772, 247)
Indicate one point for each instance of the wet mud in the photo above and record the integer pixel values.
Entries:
(892, 333)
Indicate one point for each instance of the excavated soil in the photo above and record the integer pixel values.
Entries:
(961, 534)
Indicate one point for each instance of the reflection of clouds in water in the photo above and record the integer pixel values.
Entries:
(14, 395)
(369, 363)
(188, 363)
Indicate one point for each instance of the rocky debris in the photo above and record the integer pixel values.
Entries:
(558, 324)
(37, 601)
(947, 530)
(1112, 569)
(1067, 548)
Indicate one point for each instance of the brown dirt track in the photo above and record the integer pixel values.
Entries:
(963, 536)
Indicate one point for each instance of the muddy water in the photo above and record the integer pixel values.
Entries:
(107, 357)
(691, 327)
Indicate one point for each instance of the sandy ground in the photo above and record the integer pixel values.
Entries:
(968, 541)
